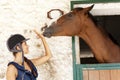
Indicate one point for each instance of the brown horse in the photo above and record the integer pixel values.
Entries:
(80, 22)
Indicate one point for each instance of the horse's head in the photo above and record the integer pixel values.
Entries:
(69, 24)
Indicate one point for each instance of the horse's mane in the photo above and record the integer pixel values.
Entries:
(96, 22)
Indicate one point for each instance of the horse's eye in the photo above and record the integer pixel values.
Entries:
(70, 15)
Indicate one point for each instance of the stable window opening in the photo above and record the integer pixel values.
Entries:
(111, 24)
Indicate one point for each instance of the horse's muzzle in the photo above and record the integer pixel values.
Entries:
(46, 34)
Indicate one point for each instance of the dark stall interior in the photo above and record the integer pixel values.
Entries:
(111, 24)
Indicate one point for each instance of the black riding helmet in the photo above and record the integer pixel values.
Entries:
(15, 40)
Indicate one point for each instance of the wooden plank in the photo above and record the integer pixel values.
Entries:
(104, 74)
(85, 75)
(115, 74)
(94, 75)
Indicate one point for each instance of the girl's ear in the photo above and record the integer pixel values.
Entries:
(17, 47)
(87, 9)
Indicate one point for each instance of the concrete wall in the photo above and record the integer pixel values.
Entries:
(21, 16)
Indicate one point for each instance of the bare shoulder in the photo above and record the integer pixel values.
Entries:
(11, 72)
(11, 67)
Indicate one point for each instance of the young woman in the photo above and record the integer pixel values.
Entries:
(22, 68)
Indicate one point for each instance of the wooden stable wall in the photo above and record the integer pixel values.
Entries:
(98, 72)
(101, 75)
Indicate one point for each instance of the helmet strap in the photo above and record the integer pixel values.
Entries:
(21, 50)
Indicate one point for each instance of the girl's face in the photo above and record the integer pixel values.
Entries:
(25, 47)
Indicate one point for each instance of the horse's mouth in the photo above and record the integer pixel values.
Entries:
(47, 34)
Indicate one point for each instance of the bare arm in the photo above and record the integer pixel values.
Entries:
(47, 56)
(11, 73)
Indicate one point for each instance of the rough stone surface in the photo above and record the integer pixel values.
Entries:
(22, 16)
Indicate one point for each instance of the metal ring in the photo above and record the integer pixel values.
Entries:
(48, 13)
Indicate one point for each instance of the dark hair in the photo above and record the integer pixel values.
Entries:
(34, 72)
(14, 53)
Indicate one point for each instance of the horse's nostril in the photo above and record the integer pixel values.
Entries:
(47, 34)
(44, 34)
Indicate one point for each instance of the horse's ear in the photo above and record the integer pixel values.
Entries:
(87, 9)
